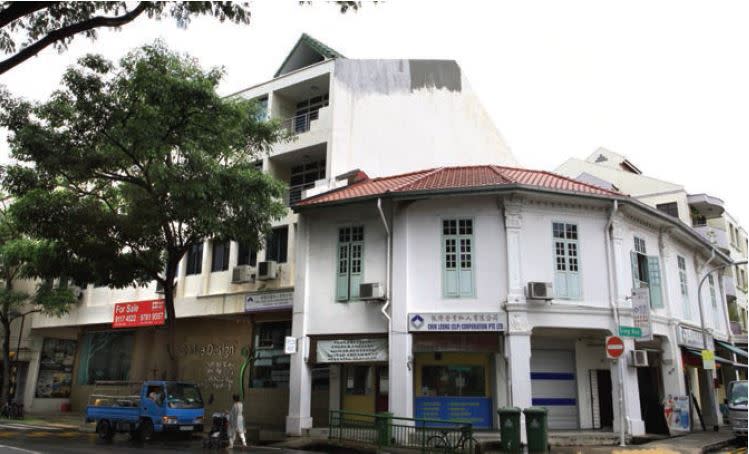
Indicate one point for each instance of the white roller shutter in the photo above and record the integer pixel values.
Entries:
(553, 386)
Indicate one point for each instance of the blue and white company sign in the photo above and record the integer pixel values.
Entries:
(454, 322)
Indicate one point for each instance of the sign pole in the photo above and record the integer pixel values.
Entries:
(614, 347)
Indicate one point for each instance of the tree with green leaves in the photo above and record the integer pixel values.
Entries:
(129, 166)
(27, 28)
(37, 261)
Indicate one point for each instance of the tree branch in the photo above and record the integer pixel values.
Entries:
(71, 30)
(17, 10)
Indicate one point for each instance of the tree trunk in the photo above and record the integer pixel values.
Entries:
(6, 362)
(171, 319)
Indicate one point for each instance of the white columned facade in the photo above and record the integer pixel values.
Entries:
(518, 334)
(400, 351)
(300, 377)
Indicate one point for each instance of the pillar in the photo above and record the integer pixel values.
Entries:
(400, 370)
(299, 417)
(518, 354)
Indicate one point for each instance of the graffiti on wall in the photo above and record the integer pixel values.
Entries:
(212, 365)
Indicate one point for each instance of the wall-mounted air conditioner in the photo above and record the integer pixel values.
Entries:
(638, 358)
(241, 274)
(267, 270)
(539, 291)
(372, 291)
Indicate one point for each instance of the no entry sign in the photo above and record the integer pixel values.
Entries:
(614, 347)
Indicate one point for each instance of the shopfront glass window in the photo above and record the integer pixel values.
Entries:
(271, 366)
(105, 356)
(453, 380)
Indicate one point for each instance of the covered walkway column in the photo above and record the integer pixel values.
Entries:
(400, 354)
(518, 354)
(300, 376)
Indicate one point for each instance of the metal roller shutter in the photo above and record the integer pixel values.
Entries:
(553, 386)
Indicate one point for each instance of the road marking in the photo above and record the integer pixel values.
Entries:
(29, 427)
(13, 448)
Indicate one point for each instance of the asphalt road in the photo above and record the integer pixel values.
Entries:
(30, 440)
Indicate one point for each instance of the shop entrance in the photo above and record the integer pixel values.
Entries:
(603, 407)
(365, 388)
(454, 386)
(651, 400)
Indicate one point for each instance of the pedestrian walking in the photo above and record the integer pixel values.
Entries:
(236, 422)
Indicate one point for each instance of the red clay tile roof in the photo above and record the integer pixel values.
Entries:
(446, 178)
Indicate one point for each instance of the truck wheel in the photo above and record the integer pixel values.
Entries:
(104, 430)
(145, 431)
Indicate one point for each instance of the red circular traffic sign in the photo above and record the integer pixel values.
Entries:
(614, 347)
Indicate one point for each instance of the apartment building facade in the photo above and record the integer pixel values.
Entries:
(464, 326)
(235, 303)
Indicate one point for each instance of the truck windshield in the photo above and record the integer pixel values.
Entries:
(181, 395)
(738, 393)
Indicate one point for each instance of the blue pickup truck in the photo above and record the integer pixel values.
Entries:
(145, 408)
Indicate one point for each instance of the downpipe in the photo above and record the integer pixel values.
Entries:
(388, 266)
(613, 291)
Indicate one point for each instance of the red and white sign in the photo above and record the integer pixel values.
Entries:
(614, 347)
(138, 313)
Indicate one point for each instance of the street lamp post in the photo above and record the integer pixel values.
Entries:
(708, 373)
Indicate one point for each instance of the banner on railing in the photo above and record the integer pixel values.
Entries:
(352, 350)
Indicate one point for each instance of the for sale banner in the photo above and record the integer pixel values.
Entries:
(138, 313)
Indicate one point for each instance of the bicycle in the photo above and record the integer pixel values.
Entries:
(466, 444)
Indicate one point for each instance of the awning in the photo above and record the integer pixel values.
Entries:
(718, 359)
(732, 348)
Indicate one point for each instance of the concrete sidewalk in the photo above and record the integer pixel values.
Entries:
(56, 421)
(694, 443)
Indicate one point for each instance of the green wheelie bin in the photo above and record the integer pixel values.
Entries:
(509, 429)
(536, 429)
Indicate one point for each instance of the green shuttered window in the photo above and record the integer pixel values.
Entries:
(457, 258)
(566, 261)
(350, 262)
(646, 272)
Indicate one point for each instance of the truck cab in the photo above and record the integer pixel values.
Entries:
(173, 406)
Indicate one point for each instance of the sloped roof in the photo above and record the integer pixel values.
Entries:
(306, 40)
(453, 178)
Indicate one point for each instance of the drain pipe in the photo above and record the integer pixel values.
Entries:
(388, 247)
(613, 292)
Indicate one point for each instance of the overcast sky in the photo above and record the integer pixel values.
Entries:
(664, 83)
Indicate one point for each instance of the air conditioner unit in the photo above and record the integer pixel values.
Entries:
(638, 358)
(372, 291)
(242, 274)
(267, 270)
(540, 291)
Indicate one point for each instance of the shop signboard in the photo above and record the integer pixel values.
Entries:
(692, 338)
(269, 301)
(139, 313)
(55, 377)
(708, 359)
(676, 412)
(454, 322)
(641, 313)
(474, 410)
(352, 350)
(289, 345)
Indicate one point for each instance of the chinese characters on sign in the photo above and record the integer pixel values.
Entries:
(138, 313)
(641, 313)
(454, 321)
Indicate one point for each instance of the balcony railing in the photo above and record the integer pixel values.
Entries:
(300, 123)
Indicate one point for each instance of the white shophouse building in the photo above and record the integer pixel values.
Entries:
(380, 116)
(456, 329)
